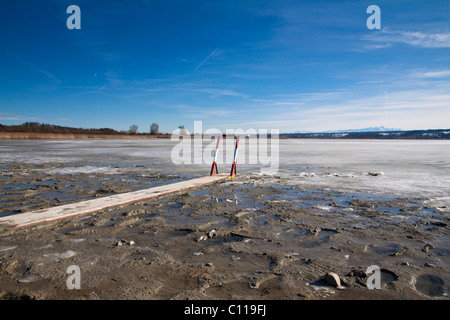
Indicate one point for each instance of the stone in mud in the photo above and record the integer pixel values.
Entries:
(357, 273)
(333, 279)
(314, 231)
(212, 233)
(134, 213)
(427, 247)
(375, 174)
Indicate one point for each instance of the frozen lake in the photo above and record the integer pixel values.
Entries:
(418, 168)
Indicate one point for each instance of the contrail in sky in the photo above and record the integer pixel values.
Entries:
(101, 89)
(211, 54)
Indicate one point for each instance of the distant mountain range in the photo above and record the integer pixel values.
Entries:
(370, 129)
(373, 133)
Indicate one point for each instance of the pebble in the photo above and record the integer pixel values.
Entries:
(201, 238)
(28, 278)
(122, 242)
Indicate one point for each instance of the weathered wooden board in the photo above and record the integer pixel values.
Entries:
(70, 210)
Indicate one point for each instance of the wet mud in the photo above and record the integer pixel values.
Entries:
(253, 237)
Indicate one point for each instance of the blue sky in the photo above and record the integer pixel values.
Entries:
(287, 65)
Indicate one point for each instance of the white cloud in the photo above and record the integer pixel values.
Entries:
(6, 116)
(406, 109)
(435, 74)
(413, 38)
(220, 92)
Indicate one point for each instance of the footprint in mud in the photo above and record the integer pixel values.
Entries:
(431, 286)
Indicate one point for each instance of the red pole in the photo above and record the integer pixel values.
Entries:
(214, 165)
(233, 168)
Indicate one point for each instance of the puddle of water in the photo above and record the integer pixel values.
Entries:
(151, 215)
(222, 240)
(430, 285)
(20, 186)
(59, 195)
(162, 236)
(402, 218)
(263, 220)
(322, 238)
(200, 193)
(386, 249)
(174, 215)
(186, 219)
(387, 276)
(430, 212)
(293, 234)
(388, 210)
(68, 230)
(212, 200)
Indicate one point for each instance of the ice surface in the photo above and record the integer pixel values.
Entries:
(405, 167)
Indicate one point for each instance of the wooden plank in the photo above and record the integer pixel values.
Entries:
(74, 209)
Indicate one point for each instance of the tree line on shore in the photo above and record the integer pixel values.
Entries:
(36, 127)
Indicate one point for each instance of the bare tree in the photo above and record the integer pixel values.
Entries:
(154, 128)
(133, 129)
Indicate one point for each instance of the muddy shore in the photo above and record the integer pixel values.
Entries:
(254, 237)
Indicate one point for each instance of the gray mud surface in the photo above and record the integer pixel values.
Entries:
(253, 237)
